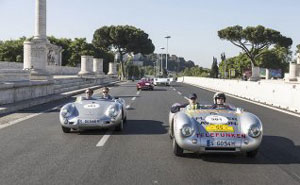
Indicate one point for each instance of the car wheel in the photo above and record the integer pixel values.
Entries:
(178, 151)
(65, 129)
(120, 126)
(252, 154)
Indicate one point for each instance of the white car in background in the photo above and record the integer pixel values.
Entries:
(162, 81)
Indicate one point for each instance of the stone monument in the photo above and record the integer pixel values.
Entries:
(35, 51)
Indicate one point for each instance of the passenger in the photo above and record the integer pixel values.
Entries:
(105, 94)
(193, 104)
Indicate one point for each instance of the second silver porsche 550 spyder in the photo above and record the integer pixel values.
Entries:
(214, 129)
(92, 114)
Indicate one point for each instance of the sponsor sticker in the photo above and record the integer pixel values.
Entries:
(91, 106)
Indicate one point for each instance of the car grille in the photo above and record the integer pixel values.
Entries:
(225, 149)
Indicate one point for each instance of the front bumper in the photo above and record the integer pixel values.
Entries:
(79, 123)
(199, 145)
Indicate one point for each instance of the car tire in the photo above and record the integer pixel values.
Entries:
(120, 127)
(137, 89)
(178, 151)
(66, 129)
(252, 154)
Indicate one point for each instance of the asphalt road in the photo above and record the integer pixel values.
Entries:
(36, 151)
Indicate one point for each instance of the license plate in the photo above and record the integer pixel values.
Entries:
(147, 84)
(220, 143)
(219, 128)
(93, 121)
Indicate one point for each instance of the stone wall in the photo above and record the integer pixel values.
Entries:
(54, 70)
(276, 93)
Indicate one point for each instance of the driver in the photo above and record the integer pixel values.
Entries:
(219, 99)
(105, 94)
(193, 104)
(88, 94)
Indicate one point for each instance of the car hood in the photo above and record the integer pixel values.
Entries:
(93, 109)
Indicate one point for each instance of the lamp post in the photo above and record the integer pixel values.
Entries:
(161, 60)
(167, 37)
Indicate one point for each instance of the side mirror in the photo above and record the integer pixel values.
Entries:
(116, 98)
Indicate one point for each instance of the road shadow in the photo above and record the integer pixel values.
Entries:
(273, 150)
(90, 131)
(155, 89)
(143, 127)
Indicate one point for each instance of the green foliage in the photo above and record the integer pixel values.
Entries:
(239, 63)
(298, 48)
(195, 71)
(12, 50)
(123, 39)
(254, 40)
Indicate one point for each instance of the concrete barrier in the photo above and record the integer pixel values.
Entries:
(54, 70)
(271, 92)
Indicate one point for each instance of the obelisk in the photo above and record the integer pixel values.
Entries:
(35, 51)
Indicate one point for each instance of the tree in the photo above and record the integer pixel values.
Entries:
(298, 49)
(214, 69)
(123, 39)
(254, 40)
(12, 50)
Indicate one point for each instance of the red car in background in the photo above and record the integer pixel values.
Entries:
(144, 85)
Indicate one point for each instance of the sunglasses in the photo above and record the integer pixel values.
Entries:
(105, 92)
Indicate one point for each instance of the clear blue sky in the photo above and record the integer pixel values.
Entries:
(192, 24)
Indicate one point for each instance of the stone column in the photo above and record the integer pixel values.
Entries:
(86, 65)
(35, 51)
(98, 66)
(112, 69)
(40, 19)
(293, 72)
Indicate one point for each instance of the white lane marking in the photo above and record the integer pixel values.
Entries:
(186, 98)
(179, 93)
(26, 118)
(251, 101)
(104, 139)
(174, 89)
(127, 106)
(138, 92)
(133, 98)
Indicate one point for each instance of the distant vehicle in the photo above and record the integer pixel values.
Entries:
(93, 114)
(144, 84)
(214, 129)
(162, 81)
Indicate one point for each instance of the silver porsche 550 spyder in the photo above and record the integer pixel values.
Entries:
(93, 114)
(214, 129)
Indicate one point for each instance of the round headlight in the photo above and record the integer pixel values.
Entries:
(65, 113)
(254, 131)
(187, 131)
(113, 112)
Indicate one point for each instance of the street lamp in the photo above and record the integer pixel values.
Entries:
(161, 59)
(167, 37)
